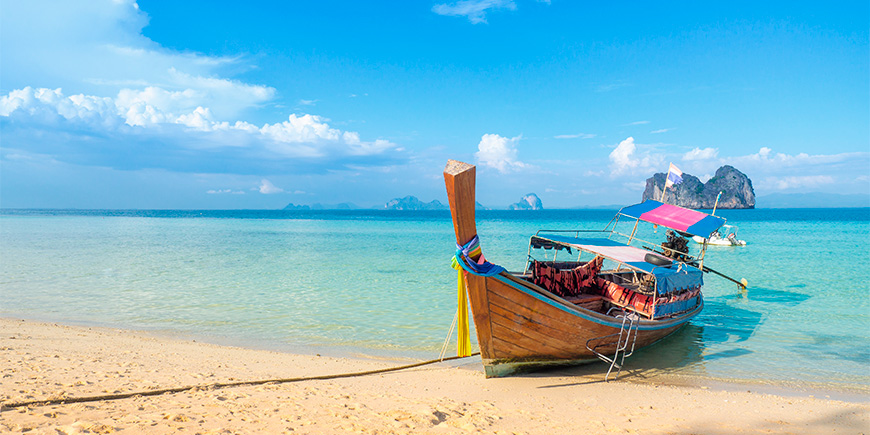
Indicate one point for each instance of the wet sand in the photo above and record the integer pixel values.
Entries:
(40, 361)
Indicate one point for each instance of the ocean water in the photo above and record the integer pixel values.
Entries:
(380, 283)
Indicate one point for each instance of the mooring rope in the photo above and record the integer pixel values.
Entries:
(215, 386)
(449, 334)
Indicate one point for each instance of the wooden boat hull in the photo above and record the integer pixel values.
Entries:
(530, 328)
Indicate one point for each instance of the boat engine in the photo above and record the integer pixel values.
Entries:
(675, 246)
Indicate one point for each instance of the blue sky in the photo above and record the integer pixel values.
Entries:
(226, 105)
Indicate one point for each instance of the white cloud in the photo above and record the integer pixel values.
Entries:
(307, 102)
(795, 182)
(661, 130)
(113, 89)
(499, 152)
(623, 155)
(766, 158)
(267, 188)
(626, 160)
(474, 10)
(637, 123)
(575, 136)
(775, 171)
(701, 154)
(162, 115)
(302, 129)
(97, 48)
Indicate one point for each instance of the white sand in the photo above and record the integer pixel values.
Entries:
(43, 361)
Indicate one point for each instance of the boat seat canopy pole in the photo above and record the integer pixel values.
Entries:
(459, 178)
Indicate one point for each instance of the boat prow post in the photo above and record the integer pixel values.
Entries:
(459, 178)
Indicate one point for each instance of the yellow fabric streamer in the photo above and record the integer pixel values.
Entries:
(463, 338)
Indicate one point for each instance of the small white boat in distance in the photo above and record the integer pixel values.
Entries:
(724, 236)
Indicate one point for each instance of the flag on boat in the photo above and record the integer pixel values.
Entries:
(675, 176)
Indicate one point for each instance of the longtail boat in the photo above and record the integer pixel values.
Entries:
(605, 302)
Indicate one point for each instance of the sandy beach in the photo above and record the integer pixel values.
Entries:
(42, 361)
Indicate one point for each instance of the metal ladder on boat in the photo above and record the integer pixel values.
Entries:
(627, 335)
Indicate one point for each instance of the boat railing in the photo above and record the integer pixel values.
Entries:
(576, 232)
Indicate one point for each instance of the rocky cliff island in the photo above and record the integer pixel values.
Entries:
(527, 202)
(736, 188)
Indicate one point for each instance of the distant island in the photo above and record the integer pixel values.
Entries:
(318, 206)
(527, 202)
(412, 203)
(736, 188)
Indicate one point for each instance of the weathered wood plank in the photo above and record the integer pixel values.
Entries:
(520, 343)
(459, 179)
(502, 349)
(562, 338)
(561, 325)
(546, 339)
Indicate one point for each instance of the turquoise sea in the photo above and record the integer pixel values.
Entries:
(380, 283)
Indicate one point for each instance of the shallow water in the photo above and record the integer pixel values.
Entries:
(380, 283)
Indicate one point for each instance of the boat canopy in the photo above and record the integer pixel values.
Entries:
(674, 217)
(671, 278)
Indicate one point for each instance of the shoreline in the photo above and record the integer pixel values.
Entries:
(652, 376)
(45, 360)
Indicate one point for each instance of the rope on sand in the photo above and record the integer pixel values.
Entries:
(67, 400)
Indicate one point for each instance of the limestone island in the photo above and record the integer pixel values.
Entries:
(736, 188)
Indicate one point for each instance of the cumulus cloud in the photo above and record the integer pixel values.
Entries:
(118, 99)
(155, 115)
(499, 152)
(474, 10)
(623, 155)
(701, 154)
(626, 160)
(768, 159)
(267, 188)
(97, 48)
(776, 171)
